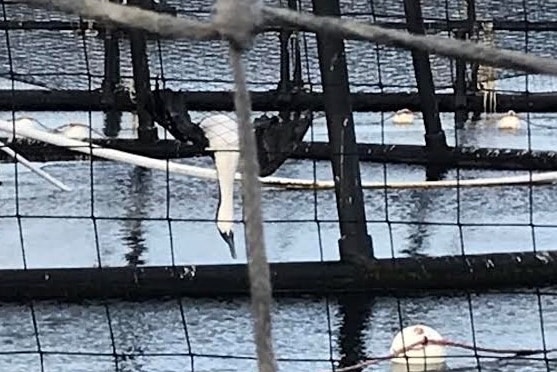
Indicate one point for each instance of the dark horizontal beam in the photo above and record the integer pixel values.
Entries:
(80, 100)
(384, 276)
(44, 25)
(461, 157)
(498, 25)
(457, 157)
(451, 25)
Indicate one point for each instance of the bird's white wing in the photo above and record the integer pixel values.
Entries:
(221, 132)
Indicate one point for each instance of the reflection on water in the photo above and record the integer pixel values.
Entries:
(139, 187)
(419, 231)
(215, 334)
(135, 210)
(112, 123)
(354, 312)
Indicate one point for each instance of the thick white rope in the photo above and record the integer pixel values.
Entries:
(236, 21)
(41, 173)
(169, 26)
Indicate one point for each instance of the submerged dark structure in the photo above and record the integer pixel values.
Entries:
(295, 98)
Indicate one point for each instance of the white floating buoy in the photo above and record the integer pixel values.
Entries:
(509, 121)
(424, 356)
(403, 116)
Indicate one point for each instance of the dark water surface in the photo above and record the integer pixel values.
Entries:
(132, 207)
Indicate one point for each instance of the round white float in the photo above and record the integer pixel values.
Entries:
(422, 357)
(509, 121)
(403, 116)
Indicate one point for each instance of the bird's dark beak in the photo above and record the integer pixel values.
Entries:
(229, 239)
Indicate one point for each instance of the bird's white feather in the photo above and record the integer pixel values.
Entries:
(226, 164)
(509, 121)
(222, 133)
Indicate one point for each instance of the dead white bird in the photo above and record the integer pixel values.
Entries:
(509, 121)
(222, 135)
(404, 116)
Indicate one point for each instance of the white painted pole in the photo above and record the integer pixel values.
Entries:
(34, 169)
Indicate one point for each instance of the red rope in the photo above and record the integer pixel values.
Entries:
(425, 341)
(460, 345)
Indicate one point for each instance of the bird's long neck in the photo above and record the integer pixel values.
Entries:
(226, 163)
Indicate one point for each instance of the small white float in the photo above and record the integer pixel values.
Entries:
(413, 350)
(510, 121)
(403, 117)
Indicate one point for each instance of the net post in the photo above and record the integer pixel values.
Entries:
(461, 112)
(355, 242)
(436, 143)
(111, 80)
(285, 83)
(146, 132)
(474, 66)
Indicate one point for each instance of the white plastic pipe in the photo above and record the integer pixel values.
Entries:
(296, 183)
(111, 154)
(34, 169)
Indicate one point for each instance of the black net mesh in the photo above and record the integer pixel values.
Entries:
(119, 215)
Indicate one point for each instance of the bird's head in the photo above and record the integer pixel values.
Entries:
(228, 236)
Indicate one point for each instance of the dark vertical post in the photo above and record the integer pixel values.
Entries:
(471, 16)
(297, 80)
(436, 143)
(111, 81)
(140, 64)
(474, 66)
(461, 113)
(355, 242)
(285, 84)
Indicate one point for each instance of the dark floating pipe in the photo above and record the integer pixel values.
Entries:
(403, 277)
(461, 157)
(82, 100)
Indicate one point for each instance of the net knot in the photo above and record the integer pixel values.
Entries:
(236, 20)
